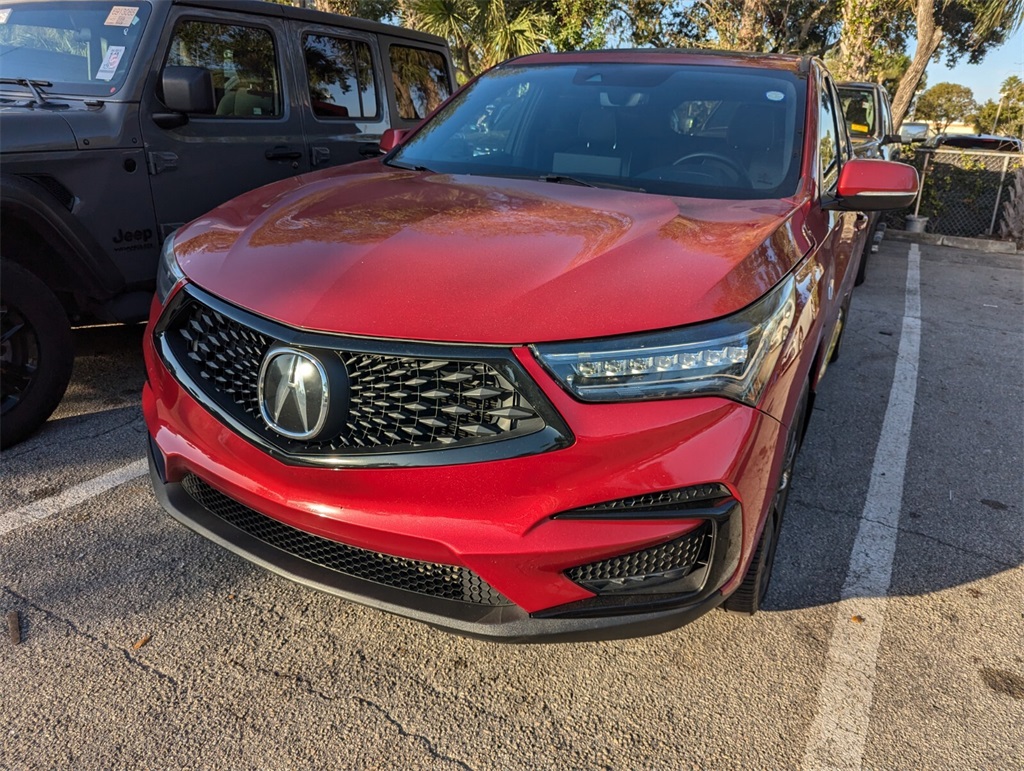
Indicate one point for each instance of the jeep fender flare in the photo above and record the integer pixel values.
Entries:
(66, 257)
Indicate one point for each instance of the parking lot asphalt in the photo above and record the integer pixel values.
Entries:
(144, 645)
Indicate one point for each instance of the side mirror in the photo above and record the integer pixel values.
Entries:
(392, 138)
(874, 185)
(892, 139)
(188, 90)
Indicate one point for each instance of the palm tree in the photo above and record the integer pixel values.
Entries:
(481, 33)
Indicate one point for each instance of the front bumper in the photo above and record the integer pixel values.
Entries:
(579, 621)
(498, 519)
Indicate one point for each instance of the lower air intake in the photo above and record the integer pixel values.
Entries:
(448, 582)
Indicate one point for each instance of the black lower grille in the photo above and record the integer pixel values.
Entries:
(448, 582)
(675, 559)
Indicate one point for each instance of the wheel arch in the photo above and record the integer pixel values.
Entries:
(42, 236)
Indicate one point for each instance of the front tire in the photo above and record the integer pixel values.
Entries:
(36, 353)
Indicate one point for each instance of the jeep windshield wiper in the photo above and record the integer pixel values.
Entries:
(31, 85)
(406, 166)
(561, 179)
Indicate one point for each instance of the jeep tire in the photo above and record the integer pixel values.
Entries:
(36, 353)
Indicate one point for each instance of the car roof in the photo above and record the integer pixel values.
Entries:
(696, 56)
(314, 17)
(859, 85)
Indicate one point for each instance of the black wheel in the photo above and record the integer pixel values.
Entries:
(36, 353)
(750, 595)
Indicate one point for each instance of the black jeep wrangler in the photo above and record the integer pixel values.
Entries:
(122, 120)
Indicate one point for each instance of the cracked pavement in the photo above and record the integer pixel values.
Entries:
(144, 645)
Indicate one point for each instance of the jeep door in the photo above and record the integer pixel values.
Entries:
(340, 76)
(254, 135)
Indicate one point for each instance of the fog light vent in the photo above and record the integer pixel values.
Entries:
(682, 499)
(676, 566)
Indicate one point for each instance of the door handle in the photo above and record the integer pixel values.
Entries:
(283, 153)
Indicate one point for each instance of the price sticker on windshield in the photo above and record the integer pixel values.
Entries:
(4, 15)
(121, 16)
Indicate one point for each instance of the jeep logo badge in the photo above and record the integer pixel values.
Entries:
(294, 393)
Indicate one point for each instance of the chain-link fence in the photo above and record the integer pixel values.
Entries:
(961, 191)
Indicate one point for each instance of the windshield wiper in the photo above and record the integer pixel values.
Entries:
(561, 179)
(31, 85)
(406, 166)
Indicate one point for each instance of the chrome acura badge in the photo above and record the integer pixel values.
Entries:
(294, 393)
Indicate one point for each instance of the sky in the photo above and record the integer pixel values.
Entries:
(984, 79)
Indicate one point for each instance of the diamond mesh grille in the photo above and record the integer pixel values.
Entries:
(680, 554)
(448, 582)
(396, 402)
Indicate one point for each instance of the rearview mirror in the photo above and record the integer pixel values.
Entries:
(874, 185)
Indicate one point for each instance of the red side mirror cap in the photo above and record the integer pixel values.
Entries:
(392, 138)
(874, 185)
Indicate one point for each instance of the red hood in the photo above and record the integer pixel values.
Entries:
(413, 255)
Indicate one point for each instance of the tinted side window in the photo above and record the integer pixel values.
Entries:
(242, 60)
(341, 80)
(421, 81)
(828, 140)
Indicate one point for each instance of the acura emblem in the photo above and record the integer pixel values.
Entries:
(294, 393)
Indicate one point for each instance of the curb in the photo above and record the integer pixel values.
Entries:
(977, 244)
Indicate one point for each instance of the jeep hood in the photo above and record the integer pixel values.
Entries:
(367, 250)
(29, 130)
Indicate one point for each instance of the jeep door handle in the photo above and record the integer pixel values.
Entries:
(283, 153)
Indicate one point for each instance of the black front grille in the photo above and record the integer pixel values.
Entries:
(448, 582)
(396, 402)
(678, 557)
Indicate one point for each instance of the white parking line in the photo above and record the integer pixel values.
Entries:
(48, 507)
(839, 732)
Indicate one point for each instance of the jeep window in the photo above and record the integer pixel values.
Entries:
(82, 48)
(242, 61)
(706, 132)
(421, 81)
(340, 73)
(859, 109)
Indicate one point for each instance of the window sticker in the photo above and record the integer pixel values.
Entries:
(109, 66)
(775, 96)
(4, 14)
(121, 16)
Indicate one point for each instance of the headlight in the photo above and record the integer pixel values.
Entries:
(731, 357)
(168, 274)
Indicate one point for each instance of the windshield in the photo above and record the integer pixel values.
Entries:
(707, 132)
(859, 109)
(79, 47)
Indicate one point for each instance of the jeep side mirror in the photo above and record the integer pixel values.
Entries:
(874, 185)
(187, 91)
(392, 138)
(892, 139)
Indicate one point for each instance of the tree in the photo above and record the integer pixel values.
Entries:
(1006, 115)
(481, 33)
(957, 29)
(946, 103)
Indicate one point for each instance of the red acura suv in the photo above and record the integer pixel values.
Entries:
(541, 371)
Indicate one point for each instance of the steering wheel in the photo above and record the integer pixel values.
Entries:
(723, 160)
